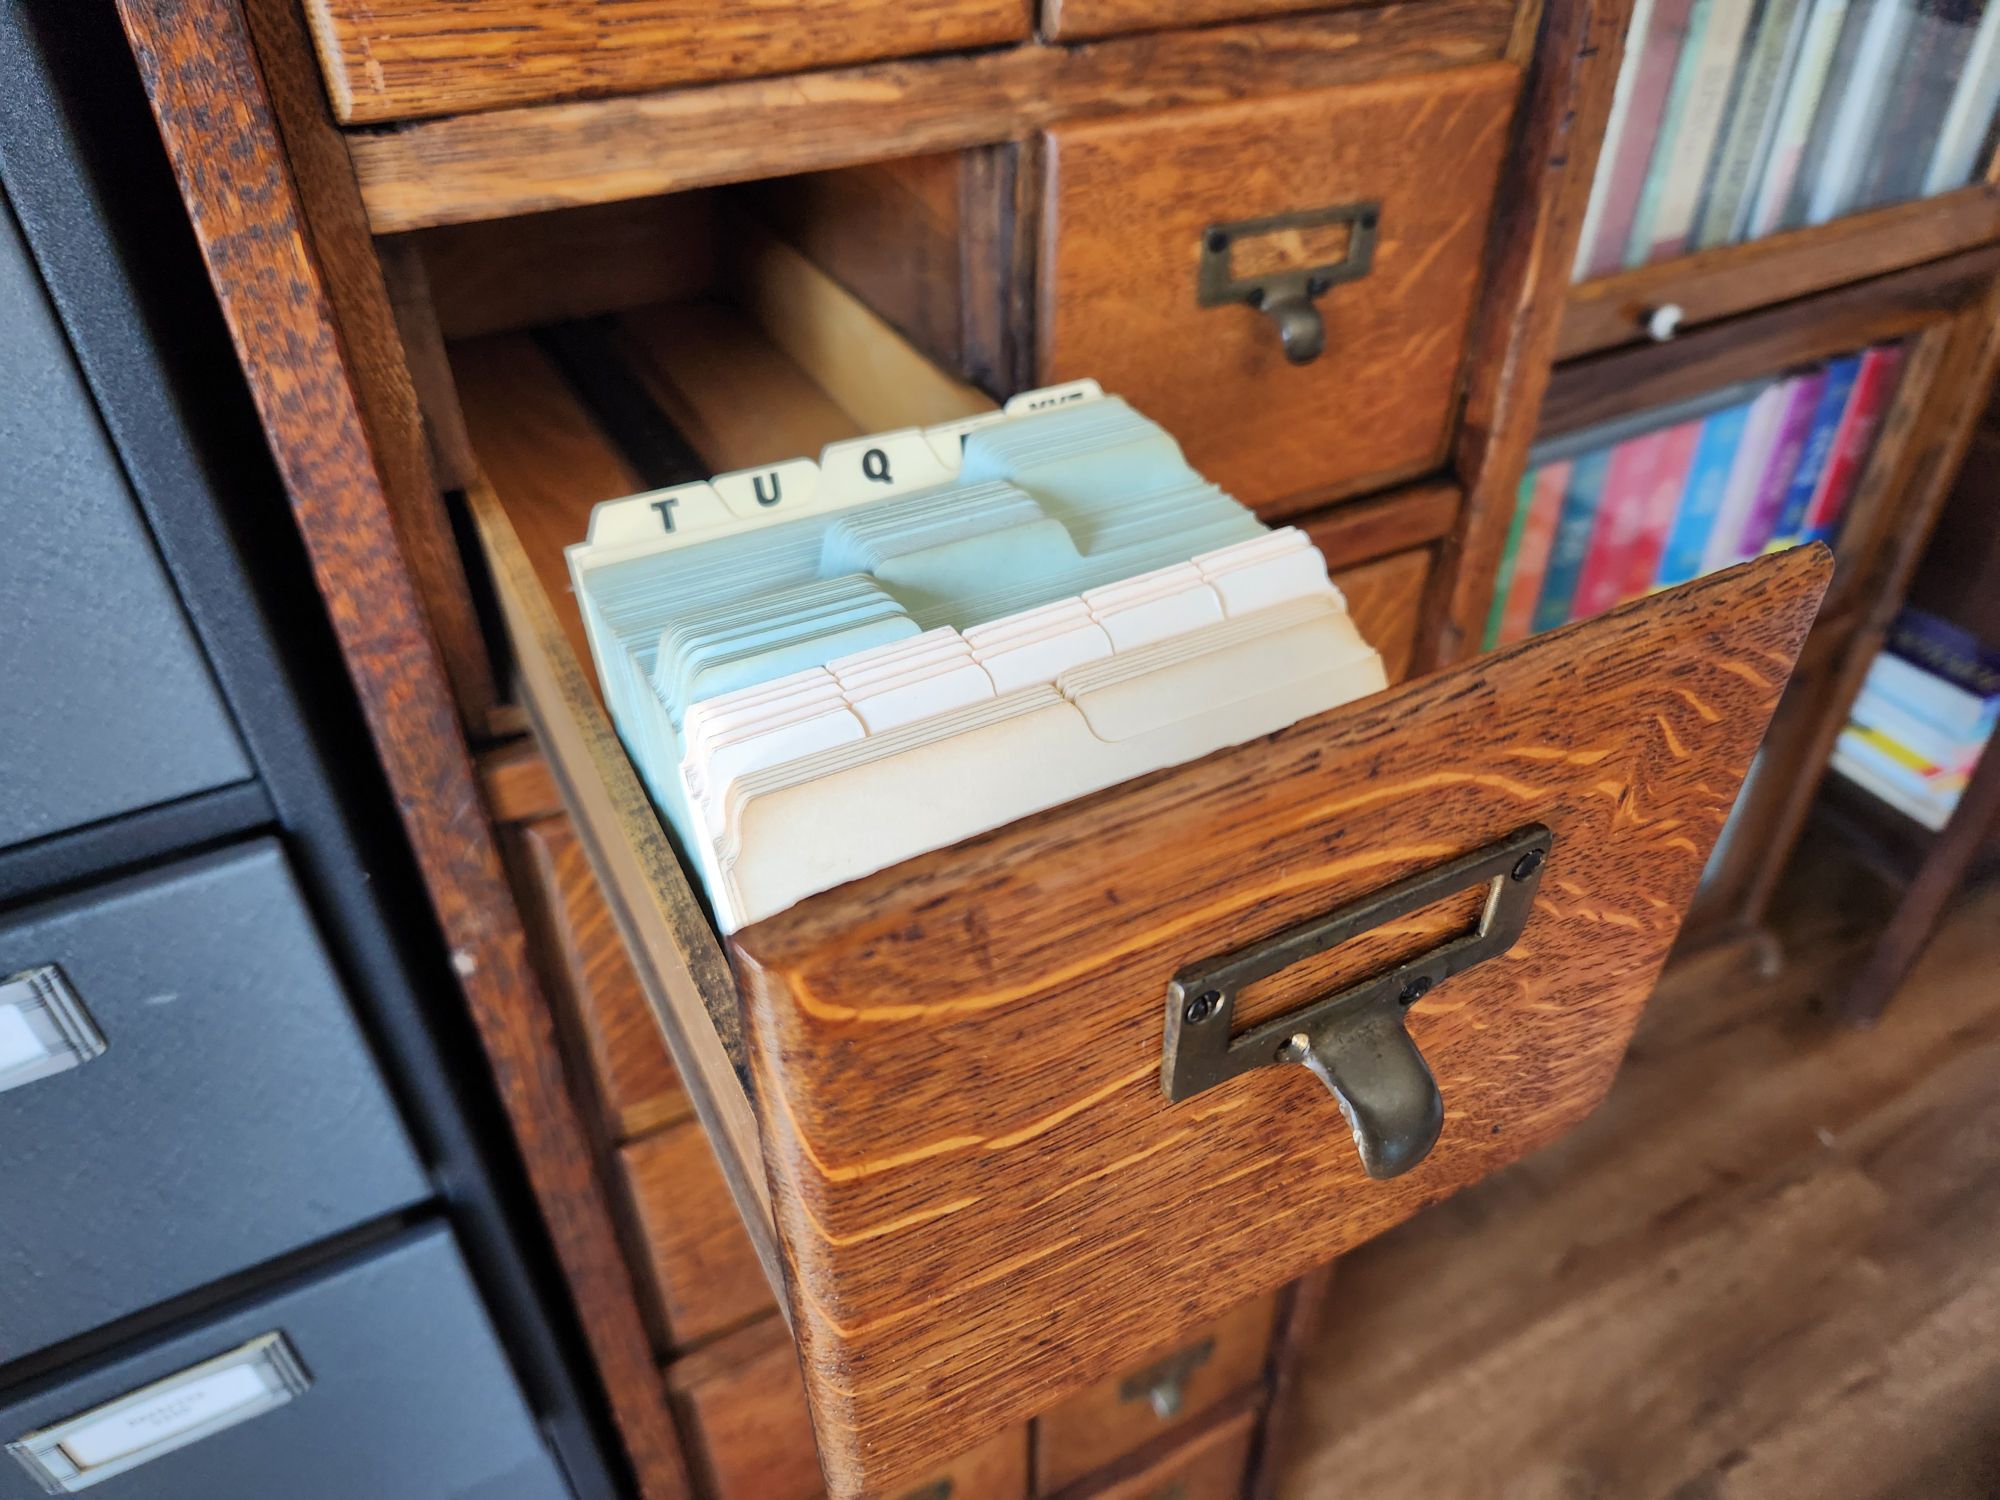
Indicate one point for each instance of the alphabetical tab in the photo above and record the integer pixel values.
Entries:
(889, 463)
(775, 492)
(1049, 397)
(947, 439)
(656, 514)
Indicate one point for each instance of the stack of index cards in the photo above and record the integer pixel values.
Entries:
(823, 669)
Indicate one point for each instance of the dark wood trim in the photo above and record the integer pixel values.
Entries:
(201, 71)
(1603, 386)
(1298, 1324)
(1611, 311)
(1544, 194)
(515, 161)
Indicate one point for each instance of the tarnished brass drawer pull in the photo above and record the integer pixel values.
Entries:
(1288, 295)
(1354, 1040)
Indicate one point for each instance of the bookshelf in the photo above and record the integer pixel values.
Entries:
(1920, 273)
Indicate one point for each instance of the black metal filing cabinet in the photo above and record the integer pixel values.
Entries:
(259, 1235)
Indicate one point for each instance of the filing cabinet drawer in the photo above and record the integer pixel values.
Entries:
(943, 1095)
(107, 701)
(744, 1413)
(1144, 212)
(705, 1274)
(630, 1074)
(230, 1111)
(399, 59)
(1171, 1390)
(1211, 1465)
(380, 1378)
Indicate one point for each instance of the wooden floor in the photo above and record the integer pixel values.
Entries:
(1769, 1267)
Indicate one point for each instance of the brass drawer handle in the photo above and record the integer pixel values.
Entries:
(1287, 296)
(1163, 1385)
(1354, 1040)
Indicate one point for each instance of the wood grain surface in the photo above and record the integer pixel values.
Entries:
(745, 1412)
(983, 1197)
(1360, 531)
(202, 77)
(1068, 19)
(404, 59)
(705, 1274)
(1129, 201)
(1386, 600)
(1729, 279)
(1086, 1432)
(1573, 49)
(1209, 1465)
(628, 1070)
(512, 161)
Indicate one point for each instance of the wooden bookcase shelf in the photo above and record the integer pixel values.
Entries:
(1611, 311)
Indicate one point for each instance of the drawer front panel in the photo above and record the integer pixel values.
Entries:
(401, 59)
(1386, 599)
(108, 703)
(233, 1112)
(1212, 1465)
(705, 1275)
(1173, 1389)
(632, 1077)
(1065, 19)
(399, 1392)
(975, 1169)
(1132, 202)
(750, 1437)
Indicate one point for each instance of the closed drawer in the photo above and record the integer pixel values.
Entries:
(1212, 1464)
(743, 1410)
(704, 1273)
(399, 59)
(1067, 19)
(230, 1111)
(378, 1378)
(1172, 1391)
(109, 706)
(1136, 206)
(630, 1074)
(937, 1092)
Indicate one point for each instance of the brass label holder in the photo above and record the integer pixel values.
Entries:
(1355, 1040)
(1287, 296)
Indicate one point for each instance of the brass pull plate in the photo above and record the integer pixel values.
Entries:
(1287, 296)
(1354, 1040)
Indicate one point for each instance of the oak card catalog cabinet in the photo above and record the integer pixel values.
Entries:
(1011, 1169)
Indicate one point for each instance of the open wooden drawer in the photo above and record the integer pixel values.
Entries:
(938, 1092)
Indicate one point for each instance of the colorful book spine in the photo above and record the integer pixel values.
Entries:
(1876, 710)
(1660, 165)
(1614, 132)
(1861, 764)
(1950, 653)
(1760, 434)
(1708, 478)
(1837, 386)
(1663, 501)
(1853, 441)
(1701, 122)
(1803, 91)
(1925, 74)
(1861, 96)
(1951, 708)
(1531, 558)
(1747, 137)
(1970, 115)
(1572, 540)
(1627, 486)
(1622, 165)
(1794, 427)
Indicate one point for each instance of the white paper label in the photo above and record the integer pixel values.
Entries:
(19, 1045)
(174, 1411)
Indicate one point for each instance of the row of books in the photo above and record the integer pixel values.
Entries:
(1923, 717)
(1732, 119)
(1613, 512)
